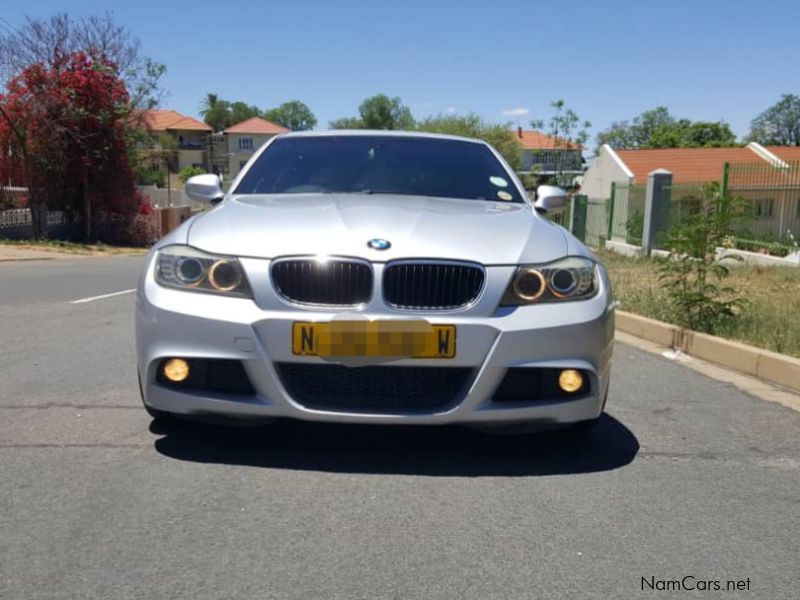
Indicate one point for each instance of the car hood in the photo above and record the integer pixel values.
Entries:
(268, 226)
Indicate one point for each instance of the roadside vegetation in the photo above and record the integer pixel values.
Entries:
(62, 246)
(768, 319)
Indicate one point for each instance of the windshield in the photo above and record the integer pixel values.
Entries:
(368, 164)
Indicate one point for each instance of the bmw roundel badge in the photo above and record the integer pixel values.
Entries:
(379, 244)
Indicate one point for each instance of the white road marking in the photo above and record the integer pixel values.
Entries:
(93, 298)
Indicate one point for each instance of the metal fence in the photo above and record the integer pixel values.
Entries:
(596, 222)
(563, 217)
(17, 223)
(684, 199)
(626, 213)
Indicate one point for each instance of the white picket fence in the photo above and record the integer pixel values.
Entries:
(162, 197)
(21, 217)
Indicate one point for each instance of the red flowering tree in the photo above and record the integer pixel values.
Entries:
(67, 121)
(66, 125)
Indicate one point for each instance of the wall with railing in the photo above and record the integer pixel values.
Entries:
(771, 196)
(17, 223)
(768, 192)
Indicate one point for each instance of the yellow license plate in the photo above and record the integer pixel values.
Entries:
(398, 338)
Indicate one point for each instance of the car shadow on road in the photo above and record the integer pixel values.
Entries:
(430, 451)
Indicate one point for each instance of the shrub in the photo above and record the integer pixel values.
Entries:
(149, 177)
(186, 172)
(139, 229)
(692, 271)
(634, 229)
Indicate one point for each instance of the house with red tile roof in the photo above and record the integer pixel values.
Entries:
(545, 155)
(189, 134)
(171, 120)
(687, 165)
(243, 139)
(785, 153)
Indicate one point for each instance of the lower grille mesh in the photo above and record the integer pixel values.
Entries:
(373, 389)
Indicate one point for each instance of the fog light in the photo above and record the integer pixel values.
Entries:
(176, 369)
(570, 380)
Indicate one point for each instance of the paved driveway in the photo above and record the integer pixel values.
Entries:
(686, 476)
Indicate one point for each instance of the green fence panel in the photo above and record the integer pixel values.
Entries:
(562, 218)
(579, 206)
(596, 222)
(626, 213)
(771, 194)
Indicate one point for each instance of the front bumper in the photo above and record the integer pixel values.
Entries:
(174, 323)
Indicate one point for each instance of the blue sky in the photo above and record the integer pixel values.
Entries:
(609, 60)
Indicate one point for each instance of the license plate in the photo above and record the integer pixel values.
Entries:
(390, 338)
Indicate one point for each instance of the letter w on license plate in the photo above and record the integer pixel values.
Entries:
(397, 338)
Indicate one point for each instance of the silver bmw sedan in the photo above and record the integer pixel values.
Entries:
(375, 277)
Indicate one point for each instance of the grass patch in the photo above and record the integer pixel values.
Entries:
(769, 320)
(70, 247)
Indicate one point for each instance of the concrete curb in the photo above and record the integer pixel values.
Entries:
(5, 259)
(771, 366)
(36, 255)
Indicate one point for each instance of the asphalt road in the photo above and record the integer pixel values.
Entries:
(686, 476)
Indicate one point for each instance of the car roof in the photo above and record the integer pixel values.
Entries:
(381, 132)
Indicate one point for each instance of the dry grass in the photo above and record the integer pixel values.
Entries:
(770, 320)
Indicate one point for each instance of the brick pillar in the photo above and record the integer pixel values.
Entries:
(656, 208)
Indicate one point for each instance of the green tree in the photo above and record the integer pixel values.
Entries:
(347, 123)
(145, 150)
(779, 124)
(220, 114)
(498, 135)
(294, 115)
(378, 112)
(638, 132)
(710, 134)
(570, 135)
(216, 112)
(241, 111)
(189, 171)
(657, 128)
(693, 134)
(150, 177)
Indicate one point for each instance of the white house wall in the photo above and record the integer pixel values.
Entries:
(605, 169)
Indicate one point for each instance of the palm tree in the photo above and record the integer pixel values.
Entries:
(215, 112)
(208, 104)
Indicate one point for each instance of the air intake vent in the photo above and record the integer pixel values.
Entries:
(326, 283)
(374, 389)
(211, 375)
(432, 286)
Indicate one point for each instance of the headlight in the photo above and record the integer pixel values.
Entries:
(568, 279)
(188, 269)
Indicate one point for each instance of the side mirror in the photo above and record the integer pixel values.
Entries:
(204, 188)
(550, 198)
